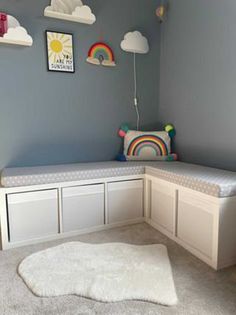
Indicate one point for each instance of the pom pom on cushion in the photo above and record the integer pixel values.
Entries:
(172, 157)
(171, 130)
(121, 133)
(125, 128)
(121, 158)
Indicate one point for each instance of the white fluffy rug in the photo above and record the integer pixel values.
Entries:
(105, 272)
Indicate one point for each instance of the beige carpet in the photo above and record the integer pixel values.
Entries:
(201, 290)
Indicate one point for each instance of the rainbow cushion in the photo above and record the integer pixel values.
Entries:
(147, 146)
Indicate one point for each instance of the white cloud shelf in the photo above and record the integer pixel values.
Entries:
(14, 42)
(70, 10)
(16, 34)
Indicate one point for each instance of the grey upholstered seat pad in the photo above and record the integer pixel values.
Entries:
(211, 181)
(26, 176)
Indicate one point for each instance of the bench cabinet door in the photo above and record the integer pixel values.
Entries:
(83, 207)
(163, 205)
(196, 222)
(32, 215)
(125, 201)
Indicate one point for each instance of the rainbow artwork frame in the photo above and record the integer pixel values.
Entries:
(101, 54)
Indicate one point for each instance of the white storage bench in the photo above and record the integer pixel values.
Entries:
(193, 205)
(44, 203)
(196, 207)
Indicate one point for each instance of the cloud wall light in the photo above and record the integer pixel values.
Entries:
(136, 43)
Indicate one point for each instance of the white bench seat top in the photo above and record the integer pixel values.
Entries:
(214, 182)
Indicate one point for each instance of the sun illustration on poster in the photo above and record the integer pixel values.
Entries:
(60, 51)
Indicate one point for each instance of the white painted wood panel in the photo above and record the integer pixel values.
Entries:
(227, 233)
(125, 201)
(163, 205)
(195, 224)
(83, 207)
(32, 215)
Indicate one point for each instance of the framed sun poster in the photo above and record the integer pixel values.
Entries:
(60, 53)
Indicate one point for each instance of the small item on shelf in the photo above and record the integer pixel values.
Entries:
(13, 32)
(3, 23)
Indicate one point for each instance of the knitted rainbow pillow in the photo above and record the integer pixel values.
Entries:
(147, 146)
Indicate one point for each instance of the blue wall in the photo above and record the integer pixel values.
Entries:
(48, 118)
(198, 80)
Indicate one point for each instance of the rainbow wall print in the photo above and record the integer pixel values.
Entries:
(101, 54)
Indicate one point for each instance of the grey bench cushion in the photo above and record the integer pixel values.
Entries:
(211, 181)
(26, 176)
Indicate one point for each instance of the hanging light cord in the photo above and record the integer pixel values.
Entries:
(135, 93)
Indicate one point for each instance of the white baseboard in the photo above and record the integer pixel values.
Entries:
(227, 263)
(159, 228)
